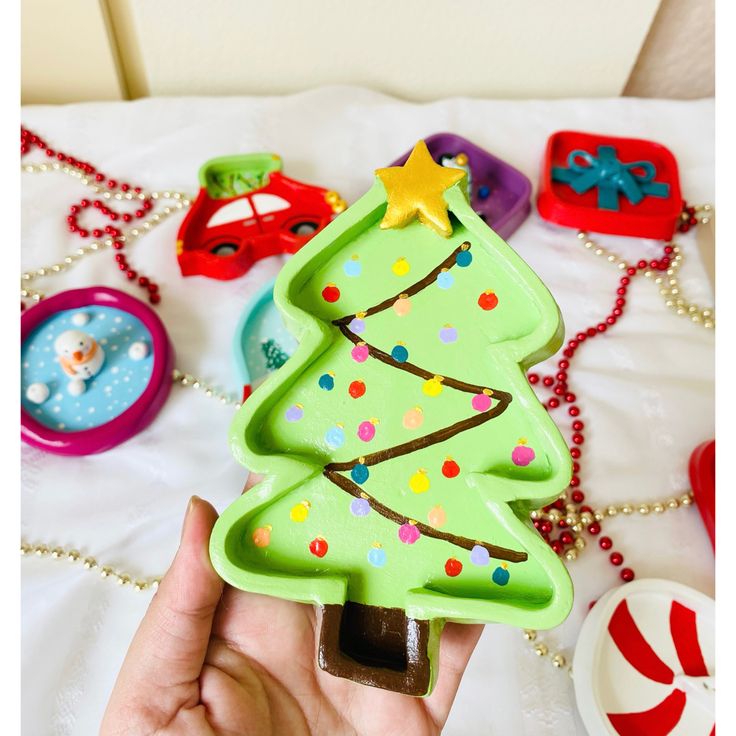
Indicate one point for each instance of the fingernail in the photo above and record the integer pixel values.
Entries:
(188, 514)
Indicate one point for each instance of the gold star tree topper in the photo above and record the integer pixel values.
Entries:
(415, 190)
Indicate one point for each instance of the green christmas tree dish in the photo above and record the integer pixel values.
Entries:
(402, 446)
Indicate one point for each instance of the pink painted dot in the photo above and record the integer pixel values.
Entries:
(366, 431)
(408, 533)
(360, 353)
(481, 402)
(522, 455)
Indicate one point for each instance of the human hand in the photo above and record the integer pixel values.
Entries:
(209, 659)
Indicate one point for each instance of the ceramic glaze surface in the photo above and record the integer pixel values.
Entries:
(119, 383)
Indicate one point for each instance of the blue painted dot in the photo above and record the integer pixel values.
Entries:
(500, 576)
(463, 258)
(445, 280)
(327, 382)
(400, 354)
(335, 437)
(352, 267)
(359, 473)
(483, 191)
(377, 556)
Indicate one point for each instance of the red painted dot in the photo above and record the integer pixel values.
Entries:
(488, 300)
(356, 389)
(450, 469)
(453, 567)
(318, 547)
(331, 293)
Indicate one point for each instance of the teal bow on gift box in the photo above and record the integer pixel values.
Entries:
(610, 176)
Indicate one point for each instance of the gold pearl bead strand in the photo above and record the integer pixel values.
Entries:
(576, 523)
(669, 286)
(89, 563)
(188, 380)
(180, 202)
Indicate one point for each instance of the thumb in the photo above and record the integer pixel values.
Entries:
(169, 647)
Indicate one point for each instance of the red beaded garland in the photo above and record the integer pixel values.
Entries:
(558, 387)
(29, 139)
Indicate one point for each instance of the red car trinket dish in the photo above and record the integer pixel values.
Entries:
(605, 184)
(499, 194)
(246, 210)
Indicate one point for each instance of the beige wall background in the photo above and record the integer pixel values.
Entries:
(416, 49)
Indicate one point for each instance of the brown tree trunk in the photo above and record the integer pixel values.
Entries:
(376, 646)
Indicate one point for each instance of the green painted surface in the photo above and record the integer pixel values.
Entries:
(491, 497)
(231, 176)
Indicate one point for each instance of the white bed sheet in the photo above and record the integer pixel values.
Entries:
(646, 388)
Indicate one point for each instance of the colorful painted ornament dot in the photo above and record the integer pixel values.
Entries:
(437, 517)
(359, 472)
(335, 436)
(401, 267)
(488, 300)
(419, 482)
(360, 507)
(445, 279)
(522, 454)
(402, 306)
(414, 418)
(464, 258)
(453, 567)
(448, 334)
(481, 402)
(294, 413)
(408, 533)
(327, 381)
(352, 267)
(433, 387)
(450, 469)
(367, 430)
(300, 512)
(377, 555)
(331, 293)
(399, 353)
(357, 325)
(318, 547)
(501, 575)
(356, 389)
(262, 536)
(360, 352)
(479, 555)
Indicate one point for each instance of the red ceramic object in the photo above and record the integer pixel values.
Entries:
(703, 482)
(246, 210)
(653, 217)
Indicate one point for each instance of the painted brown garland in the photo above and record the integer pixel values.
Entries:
(501, 553)
(503, 400)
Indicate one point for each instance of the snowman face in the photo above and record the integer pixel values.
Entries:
(73, 344)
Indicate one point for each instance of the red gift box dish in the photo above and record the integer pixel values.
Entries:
(646, 166)
(246, 210)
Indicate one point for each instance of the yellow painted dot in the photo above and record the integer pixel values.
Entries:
(299, 512)
(401, 267)
(419, 482)
(433, 387)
